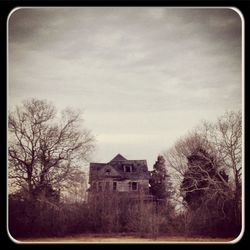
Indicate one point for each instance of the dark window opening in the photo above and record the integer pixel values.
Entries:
(127, 169)
(114, 186)
(134, 185)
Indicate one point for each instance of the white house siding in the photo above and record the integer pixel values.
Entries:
(121, 186)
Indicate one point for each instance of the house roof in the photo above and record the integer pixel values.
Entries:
(118, 163)
(118, 157)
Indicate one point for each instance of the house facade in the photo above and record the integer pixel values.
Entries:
(119, 175)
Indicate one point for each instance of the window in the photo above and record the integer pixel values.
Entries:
(127, 169)
(134, 185)
(114, 186)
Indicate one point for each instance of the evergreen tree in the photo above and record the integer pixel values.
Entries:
(207, 194)
(203, 179)
(159, 179)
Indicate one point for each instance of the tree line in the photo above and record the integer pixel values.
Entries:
(207, 168)
(196, 184)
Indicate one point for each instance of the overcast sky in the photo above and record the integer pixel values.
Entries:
(144, 77)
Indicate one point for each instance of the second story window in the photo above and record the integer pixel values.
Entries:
(127, 168)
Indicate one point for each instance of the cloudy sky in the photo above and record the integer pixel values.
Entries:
(142, 76)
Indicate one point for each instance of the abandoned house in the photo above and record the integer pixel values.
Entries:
(119, 175)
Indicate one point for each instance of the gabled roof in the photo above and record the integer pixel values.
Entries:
(118, 157)
(118, 163)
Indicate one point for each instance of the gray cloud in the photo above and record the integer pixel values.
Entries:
(124, 65)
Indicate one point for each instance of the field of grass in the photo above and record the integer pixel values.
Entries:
(122, 239)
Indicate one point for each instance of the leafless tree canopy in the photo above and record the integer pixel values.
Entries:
(45, 149)
(226, 138)
(222, 139)
(195, 186)
(206, 168)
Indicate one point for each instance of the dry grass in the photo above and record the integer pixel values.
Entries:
(121, 239)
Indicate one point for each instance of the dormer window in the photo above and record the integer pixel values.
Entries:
(127, 169)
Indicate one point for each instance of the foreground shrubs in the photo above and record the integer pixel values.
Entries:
(109, 216)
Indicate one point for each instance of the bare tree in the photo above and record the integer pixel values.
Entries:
(76, 187)
(44, 149)
(226, 138)
(177, 161)
(202, 185)
(219, 185)
(222, 139)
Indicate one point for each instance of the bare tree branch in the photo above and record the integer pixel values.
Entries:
(42, 149)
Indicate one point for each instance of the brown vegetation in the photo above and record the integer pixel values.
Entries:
(195, 188)
(99, 238)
